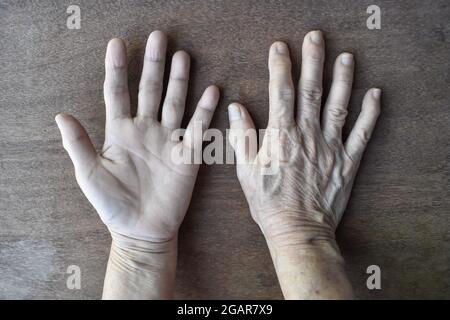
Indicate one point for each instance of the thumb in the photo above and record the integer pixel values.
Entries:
(76, 142)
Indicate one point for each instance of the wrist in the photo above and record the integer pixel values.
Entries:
(139, 269)
(303, 230)
(314, 271)
(143, 254)
(308, 262)
(322, 249)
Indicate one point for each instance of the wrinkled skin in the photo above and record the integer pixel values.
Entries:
(305, 196)
(300, 201)
(134, 184)
(308, 191)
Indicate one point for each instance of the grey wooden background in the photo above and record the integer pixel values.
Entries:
(398, 217)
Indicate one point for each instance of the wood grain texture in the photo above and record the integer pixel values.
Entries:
(398, 216)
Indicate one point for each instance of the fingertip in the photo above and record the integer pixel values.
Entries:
(213, 90)
(210, 98)
(371, 102)
(156, 46)
(180, 65)
(371, 95)
(346, 59)
(376, 93)
(69, 126)
(62, 118)
(116, 53)
(58, 117)
(314, 47)
(234, 111)
(115, 44)
(181, 55)
(314, 37)
(235, 105)
(279, 47)
(157, 36)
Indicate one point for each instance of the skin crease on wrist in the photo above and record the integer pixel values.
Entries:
(300, 205)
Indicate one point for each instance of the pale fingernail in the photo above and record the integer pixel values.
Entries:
(234, 112)
(282, 48)
(376, 93)
(347, 59)
(316, 37)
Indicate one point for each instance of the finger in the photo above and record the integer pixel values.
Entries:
(202, 117)
(242, 134)
(313, 53)
(362, 131)
(281, 87)
(173, 108)
(335, 111)
(117, 98)
(151, 84)
(76, 142)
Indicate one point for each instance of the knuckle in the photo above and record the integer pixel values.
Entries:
(314, 57)
(203, 112)
(170, 113)
(337, 112)
(332, 140)
(154, 56)
(311, 92)
(363, 136)
(344, 79)
(71, 140)
(115, 68)
(284, 94)
(115, 88)
(179, 78)
(175, 102)
(150, 86)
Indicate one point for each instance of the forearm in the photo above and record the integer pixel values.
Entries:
(140, 269)
(314, 271)
(306, 256)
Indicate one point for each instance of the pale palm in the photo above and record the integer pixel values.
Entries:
(135, 184)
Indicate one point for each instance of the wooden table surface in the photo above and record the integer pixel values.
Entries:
(398, 215)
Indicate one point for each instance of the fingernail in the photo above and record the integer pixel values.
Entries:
(234, 112)
(347, 59)
(316, 37)
(282, 48)
(376, 93)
